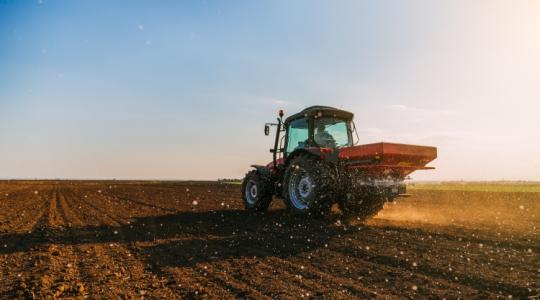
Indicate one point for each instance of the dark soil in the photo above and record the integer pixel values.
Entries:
(193, 239)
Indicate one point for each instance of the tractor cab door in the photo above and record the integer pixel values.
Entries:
(297, 135)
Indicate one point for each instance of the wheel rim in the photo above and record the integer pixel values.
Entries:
(251, 192)
(305, 186)
(300, 189)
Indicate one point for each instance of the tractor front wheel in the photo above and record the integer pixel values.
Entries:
(256, 192)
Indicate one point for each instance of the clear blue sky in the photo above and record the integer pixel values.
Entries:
(181, 89)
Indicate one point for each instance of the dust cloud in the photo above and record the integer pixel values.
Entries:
(500, 212)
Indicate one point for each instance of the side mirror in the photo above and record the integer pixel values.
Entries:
(266, 130)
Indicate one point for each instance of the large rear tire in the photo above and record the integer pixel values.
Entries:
(307, 186)
(256, 192)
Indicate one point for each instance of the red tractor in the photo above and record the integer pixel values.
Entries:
(316, 164)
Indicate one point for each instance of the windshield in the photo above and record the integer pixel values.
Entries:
(332, 133)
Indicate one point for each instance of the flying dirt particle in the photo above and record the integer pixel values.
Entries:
(480, 245)
(529, 250)
(367, 247)
(195, 202)
(116, 232)
(187, 190)
(222, 203)
(99, 191)
(36, 192)
(521, 207)
(69, 265)
(414, 264)
(414, 288)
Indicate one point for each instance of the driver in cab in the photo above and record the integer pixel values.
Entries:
(322, 137)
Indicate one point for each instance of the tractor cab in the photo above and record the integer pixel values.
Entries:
(312, 129)
(323, 129)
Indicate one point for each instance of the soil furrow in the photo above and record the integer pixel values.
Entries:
(238, 289)
(21, 208)
(51, 270)
(329, 281)
(84, 203)
(121, 269)
(178, 240)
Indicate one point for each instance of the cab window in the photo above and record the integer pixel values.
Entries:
(297, 135)
(332, 133)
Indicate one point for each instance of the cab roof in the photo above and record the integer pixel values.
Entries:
(325, 111)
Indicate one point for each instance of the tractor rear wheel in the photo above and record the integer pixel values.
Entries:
(256, 192)
(308, 186)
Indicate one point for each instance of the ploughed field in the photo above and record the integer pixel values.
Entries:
(193, 239)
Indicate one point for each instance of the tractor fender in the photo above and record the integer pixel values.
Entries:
(263, 170)
(331, 157)
(307, 151)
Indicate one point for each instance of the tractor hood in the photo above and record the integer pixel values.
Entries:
(384, 157)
